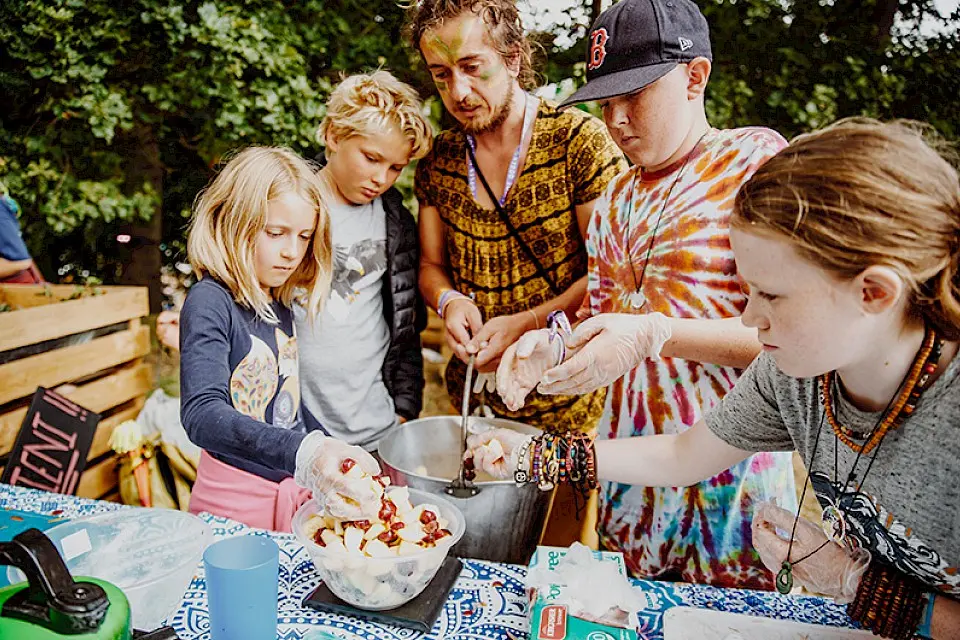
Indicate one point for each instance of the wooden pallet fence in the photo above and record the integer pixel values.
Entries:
(88, 344)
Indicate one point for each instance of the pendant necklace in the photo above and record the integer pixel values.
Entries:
(834, 523)
(903, 403)
(636, 298)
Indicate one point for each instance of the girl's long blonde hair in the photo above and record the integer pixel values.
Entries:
(862, 193)
(231, 212)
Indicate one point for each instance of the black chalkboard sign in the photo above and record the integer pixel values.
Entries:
(52, 446)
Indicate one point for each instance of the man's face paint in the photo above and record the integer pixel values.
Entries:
(469, 73)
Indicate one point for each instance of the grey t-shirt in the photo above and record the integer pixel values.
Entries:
(907, 511)
(342, 352)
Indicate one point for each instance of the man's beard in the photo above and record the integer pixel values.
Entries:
(475, 128)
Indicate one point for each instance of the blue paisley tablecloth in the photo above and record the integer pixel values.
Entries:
(487, 602)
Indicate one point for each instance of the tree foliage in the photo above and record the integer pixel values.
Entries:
(115, 111)
(796, 65)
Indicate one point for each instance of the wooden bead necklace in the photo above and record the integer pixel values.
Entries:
(921, 373)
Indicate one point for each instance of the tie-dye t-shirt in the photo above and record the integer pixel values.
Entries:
(686, 269)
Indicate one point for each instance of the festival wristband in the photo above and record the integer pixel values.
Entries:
(924, 630)
(448, 296)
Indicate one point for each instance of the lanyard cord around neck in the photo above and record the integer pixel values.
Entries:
(529, 117)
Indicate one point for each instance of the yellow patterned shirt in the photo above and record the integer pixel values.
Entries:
(571, 160)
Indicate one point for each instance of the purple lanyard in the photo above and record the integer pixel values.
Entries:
(531, 106)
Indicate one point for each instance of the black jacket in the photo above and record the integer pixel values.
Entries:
(403, 309)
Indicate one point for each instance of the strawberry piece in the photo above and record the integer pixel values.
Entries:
(347, 464)
(427, 516)
(388, 537)
(387, 510)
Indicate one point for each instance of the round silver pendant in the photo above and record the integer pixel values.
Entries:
(834, 524)
(637, 300)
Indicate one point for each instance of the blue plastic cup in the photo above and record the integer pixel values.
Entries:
(242, 588)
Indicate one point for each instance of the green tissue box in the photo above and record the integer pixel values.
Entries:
(549, 617)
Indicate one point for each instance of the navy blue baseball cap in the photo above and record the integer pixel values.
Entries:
(636, 42)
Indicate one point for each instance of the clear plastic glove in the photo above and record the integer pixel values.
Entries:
(833, 571)
(347, 490)
(495, 451)
(523, 365)
(607, 347)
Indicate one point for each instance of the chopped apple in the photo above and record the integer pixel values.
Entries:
(375, 529)
(376, 549)
(401, 497)
(353, 539)
(332, 540)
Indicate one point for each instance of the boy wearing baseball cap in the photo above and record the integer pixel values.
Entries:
(660, 265)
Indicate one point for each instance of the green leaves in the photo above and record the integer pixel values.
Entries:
(96, 92)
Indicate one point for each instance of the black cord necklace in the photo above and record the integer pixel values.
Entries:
(637, 299)
(834, 520)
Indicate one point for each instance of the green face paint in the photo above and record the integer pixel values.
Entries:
(487, 75)
(449, 51)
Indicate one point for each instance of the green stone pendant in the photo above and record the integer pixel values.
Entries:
(785, 578)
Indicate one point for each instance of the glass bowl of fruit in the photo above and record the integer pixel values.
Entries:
(382, 564)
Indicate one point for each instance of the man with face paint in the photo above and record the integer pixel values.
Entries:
(494, 269)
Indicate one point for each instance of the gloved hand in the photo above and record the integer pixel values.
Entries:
(347, 490)
(833, 571)
(607, 346)
(523, 365)
(495, 451)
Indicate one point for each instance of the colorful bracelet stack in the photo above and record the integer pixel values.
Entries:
(446, 297)
(551, 458)
(889, 603)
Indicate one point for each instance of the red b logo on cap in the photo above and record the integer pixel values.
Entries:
(597, 51)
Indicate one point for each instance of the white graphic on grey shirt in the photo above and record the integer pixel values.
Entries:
(355, 267)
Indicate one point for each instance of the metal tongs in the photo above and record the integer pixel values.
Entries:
(461, 487)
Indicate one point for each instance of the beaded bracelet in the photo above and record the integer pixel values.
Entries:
(546, 481)
(888, 603)
(520, 476)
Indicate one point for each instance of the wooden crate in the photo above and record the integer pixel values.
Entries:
(94, 344)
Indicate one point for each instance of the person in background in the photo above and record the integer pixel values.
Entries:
(520, 252)
(16, 265)
(260, 236)
(361, 364)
